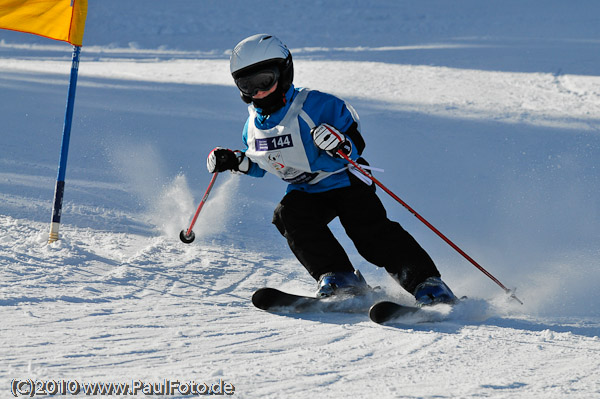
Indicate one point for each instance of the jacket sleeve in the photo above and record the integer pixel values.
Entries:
(254, 170)
(326, 108)
(356, 137)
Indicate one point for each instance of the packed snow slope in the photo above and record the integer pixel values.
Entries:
(484, 115)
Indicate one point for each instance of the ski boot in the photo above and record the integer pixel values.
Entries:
(346, 283)
(433, 291)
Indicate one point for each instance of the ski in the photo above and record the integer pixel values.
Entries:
(272, 298)
(386, 311)
(277, 301)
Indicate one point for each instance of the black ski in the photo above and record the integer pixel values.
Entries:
(277, 301)
(274, 300)
(271, 298)
(386, 311)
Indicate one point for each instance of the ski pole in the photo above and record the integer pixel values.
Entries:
(188, 236)
(436, 231)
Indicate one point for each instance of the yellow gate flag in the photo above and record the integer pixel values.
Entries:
(56, 19)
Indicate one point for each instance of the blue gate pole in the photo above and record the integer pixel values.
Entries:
(64, 151)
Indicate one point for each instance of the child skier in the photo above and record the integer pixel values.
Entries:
(295, 133)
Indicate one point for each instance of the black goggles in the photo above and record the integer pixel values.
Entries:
(261, 80)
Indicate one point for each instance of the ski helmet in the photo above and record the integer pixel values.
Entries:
(267, 55)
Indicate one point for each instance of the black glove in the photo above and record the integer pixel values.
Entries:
(222, 159)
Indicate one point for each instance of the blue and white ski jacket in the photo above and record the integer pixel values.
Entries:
(281, 143)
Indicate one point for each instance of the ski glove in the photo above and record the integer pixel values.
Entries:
(222, 159)
(329, 139)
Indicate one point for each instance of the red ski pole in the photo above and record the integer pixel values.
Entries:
(436, 231)
(188, 236)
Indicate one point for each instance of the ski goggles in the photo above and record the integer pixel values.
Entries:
(261, 80)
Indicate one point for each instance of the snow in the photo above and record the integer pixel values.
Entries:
(485, 117)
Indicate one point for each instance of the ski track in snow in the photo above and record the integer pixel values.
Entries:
(488, 122)
(97, 305)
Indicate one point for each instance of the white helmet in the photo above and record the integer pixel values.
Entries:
(258, 52)
(255, 50)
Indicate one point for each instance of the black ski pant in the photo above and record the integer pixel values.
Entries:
(302, 218)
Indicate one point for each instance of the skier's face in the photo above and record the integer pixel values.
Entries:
(263, 94)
